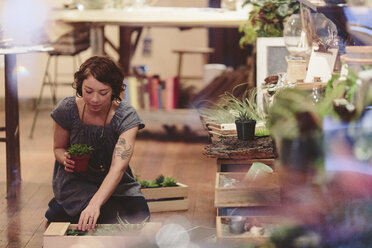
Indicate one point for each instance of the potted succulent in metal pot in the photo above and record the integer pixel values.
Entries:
(80, 153)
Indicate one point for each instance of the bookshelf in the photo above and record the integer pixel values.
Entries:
(177, 118)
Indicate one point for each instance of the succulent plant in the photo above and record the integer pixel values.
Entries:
(80, 150)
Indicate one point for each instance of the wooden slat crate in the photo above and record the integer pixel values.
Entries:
(167, 198)
(225, 126)
(55, 237)
(269, 224)
(243, 194)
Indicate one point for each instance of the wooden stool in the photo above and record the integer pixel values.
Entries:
(205, 51)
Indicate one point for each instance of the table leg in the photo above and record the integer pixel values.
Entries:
(13, 165)
(97, 40)
(126, 48)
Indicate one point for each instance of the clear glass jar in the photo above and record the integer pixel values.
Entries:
(295, 37)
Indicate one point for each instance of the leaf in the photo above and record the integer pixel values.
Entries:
(80, 150)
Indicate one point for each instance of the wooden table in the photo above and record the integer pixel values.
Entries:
(235, 155)
(11, 129)
(132, 20)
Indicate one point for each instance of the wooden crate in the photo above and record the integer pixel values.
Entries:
(269, 224)
(223, 131)
(55, 237)
(167, 198)
(223, 127)
(242, 194)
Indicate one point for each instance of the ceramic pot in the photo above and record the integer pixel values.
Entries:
(246, 129)
(81, 162)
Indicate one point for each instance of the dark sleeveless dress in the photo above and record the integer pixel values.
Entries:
(73, 191)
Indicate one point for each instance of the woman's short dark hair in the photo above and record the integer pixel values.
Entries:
(105, 70)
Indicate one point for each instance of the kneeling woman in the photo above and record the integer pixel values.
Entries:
(97, 117)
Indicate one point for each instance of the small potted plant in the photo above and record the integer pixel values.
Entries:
(228, 108)
(80, 153)
(245, 126)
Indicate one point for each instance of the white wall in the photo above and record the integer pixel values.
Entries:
(162, 62)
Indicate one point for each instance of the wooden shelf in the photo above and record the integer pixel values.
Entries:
(155, 120)
(317, 5)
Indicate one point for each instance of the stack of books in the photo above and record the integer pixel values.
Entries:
(152, 93)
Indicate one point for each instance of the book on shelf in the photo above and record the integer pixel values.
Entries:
(153, 89)
(171, 93)
(151, 92)
(133, 84)
(146, 94)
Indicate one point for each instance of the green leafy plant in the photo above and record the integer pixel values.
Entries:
(153, 184)
(244, 107)
(217, 114)
(144, 183)
(230, 108)
(349, 84)
(243, 117)
(266, 19)
(160, 181)
(80, 150)
(123, 227)
(344, 99)
(169, 182)
(75, 232)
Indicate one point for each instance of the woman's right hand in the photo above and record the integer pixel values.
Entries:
(68, 163)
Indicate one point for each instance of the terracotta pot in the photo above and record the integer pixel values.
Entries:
(246, 129)
(81, 162)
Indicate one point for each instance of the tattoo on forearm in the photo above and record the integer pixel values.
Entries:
(122, 141)
(121, 149)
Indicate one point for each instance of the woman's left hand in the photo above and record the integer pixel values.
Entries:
(88, 218)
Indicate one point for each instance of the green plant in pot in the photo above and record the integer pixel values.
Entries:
(80, 153)
(266, 19)
(245, 126)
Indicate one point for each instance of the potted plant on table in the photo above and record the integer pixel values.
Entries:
(80, 153)
(230, 108)
(246, 112)
(245, 126)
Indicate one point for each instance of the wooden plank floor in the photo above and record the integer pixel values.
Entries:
(22, 221)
